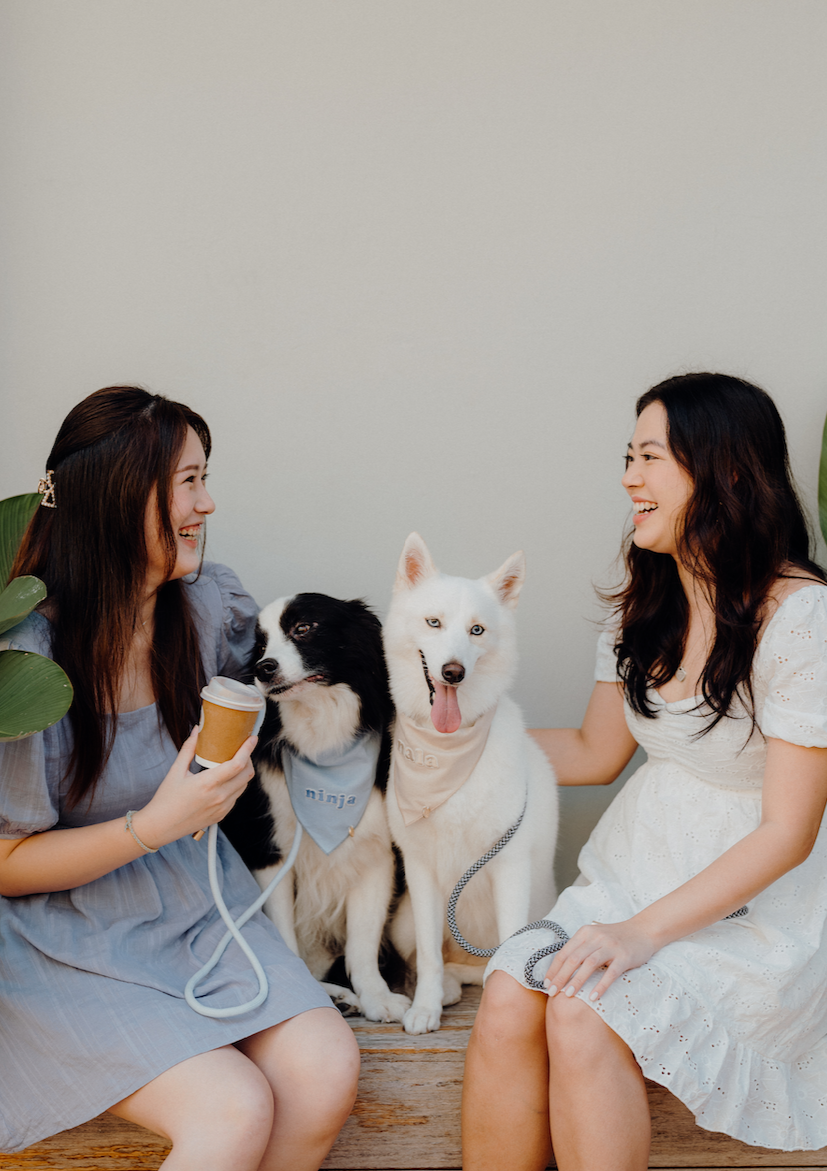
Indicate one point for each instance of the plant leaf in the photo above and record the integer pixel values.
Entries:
(18, 599)
(34, 694)
(822, 484)
(15, 514)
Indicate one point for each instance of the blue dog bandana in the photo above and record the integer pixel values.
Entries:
(330, 795)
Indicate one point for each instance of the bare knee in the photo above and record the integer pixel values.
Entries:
(335, 1060)
(244, 1107)
(216, 1106)
(311, 1060)
(577, 1036)
(509, 1014)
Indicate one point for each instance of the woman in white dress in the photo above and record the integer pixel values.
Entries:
(716, 664)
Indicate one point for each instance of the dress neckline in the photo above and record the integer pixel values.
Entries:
(696, 700)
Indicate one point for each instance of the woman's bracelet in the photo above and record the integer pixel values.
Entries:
(143, 845)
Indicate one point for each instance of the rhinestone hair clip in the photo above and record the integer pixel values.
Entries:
(47, 489)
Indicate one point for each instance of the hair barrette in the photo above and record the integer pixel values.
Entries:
(47, 489)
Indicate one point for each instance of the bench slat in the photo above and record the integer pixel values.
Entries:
(407, 1118)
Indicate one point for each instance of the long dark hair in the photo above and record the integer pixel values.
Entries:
(743, 527)
(116, 451)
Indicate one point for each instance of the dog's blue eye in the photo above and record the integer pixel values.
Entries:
(477, 629)
(433, 621)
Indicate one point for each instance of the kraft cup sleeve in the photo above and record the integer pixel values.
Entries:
(256, 727)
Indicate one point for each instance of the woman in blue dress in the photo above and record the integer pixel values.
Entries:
(104, 917)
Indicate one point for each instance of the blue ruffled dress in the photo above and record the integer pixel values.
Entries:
(91, 979)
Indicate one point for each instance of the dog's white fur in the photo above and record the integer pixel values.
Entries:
(337, 903)
(517, 886)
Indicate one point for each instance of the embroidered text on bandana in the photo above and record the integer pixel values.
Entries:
(330, 795)
(429, 766)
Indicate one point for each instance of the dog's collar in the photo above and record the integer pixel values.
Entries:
(430, 766)
(330, 795)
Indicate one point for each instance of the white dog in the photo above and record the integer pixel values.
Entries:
(463, 770)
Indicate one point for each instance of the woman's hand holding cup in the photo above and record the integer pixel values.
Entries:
(188, 802)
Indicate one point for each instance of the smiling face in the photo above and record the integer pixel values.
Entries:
(190, 504)
(657, 484)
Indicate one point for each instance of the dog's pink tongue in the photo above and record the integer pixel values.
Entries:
(445, 714)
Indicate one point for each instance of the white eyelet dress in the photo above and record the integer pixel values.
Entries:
(92, 979)
(733, 1019)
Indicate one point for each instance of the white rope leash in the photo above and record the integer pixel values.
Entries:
(234, 932)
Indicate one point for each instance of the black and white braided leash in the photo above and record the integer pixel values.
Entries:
(545, 924)
(482, 952)
(428, 680)
(562, 939)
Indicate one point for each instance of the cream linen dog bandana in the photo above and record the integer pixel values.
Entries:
(429, 766)
(330, 795)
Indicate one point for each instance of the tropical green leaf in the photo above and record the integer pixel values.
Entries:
(34, 694)
(822, 484)
(18, 599)
(15, 514)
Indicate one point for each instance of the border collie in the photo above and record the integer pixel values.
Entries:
(323, 756)
(463, 769)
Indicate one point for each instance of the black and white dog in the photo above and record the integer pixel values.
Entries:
(323, 755)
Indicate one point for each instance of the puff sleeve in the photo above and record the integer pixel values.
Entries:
(792, 659)
(227, 616)
(605, 670)
(28, 800)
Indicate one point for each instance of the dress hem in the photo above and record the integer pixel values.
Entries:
(710, 1111)
(106, 1101)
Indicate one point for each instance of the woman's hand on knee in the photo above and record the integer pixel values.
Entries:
(615, 947)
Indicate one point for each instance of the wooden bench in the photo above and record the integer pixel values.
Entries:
(407, 1117)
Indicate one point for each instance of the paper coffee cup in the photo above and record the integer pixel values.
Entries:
(230, 712)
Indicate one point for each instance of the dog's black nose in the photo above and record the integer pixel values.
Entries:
(453, 672)
(266, 669)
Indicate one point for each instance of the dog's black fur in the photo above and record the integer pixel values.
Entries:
(343, 644)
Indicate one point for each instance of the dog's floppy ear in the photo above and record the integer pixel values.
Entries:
(507, 581)
(415, 564)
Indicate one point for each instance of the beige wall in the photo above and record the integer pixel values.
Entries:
(414, 261)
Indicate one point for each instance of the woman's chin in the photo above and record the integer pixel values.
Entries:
(187, 562)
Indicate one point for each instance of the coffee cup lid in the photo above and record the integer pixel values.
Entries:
(231, 693)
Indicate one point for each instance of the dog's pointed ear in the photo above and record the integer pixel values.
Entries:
(415, 564)
(507, 581)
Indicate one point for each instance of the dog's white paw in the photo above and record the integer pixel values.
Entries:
(391, 1006)
(421, 1019)
(451, 989)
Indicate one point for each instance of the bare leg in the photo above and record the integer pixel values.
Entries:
(215, 1108)
(311, 1063)
(598, 1106)
(505, 1094)
(274, 1102)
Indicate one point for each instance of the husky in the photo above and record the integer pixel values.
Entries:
(463, 772)
(323, 755)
